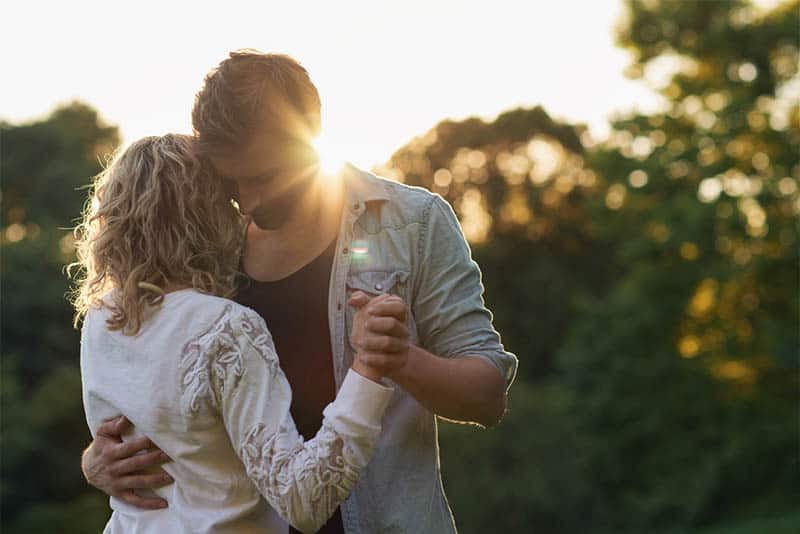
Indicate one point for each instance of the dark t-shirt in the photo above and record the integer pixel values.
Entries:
(295, 309)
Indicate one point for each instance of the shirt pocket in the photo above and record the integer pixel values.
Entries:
(375, 282)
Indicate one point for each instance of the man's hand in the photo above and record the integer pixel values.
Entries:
(465, 388)
(115, 467)
(379, 335)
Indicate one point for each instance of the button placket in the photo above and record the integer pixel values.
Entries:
(335, 298)
(343, 265)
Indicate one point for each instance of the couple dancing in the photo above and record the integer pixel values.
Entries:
(278, 366)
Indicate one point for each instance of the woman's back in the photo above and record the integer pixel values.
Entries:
(201, 379)
(157, 379)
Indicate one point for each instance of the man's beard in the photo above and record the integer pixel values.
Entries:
(274, 214)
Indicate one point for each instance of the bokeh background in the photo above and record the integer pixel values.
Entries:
(639, 249)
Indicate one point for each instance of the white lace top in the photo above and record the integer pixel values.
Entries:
(202, 380)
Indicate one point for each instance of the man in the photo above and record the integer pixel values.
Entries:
(311, 243)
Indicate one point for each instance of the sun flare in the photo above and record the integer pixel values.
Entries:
(330, 154)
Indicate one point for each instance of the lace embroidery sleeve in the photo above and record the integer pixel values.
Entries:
(303, 480)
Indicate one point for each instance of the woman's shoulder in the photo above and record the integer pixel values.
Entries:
(187, 306)
(216, 313)
(186, 314)
(212, 303)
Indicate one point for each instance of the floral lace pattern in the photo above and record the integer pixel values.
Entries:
(277, 465)
(213, 360)
(256, 333)
(303, 481)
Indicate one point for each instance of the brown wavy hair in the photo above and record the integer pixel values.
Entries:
(157, 217)
(249, 91)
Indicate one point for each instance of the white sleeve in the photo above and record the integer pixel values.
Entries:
(303, 481)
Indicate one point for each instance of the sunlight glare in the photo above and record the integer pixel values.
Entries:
(330, 154)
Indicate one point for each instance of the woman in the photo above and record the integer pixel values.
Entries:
(194, 371)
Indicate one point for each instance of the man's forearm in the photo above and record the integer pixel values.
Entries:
(465, 388)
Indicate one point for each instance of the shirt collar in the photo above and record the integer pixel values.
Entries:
(362, 188)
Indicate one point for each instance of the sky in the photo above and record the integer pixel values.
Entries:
(386, 71)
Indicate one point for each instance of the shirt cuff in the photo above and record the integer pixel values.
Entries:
(360, 404)
(505, 362)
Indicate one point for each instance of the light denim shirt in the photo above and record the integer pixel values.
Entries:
(407, 241)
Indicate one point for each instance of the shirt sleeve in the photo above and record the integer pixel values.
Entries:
(304, 481)
(449, 311)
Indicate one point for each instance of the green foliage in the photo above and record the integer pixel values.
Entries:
(648, 283)
(44, 164)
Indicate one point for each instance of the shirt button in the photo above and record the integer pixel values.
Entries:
(379, 287)
(346, 250)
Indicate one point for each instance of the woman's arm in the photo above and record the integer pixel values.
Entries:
(303, 480)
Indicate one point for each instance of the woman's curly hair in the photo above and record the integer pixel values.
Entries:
(157, 217)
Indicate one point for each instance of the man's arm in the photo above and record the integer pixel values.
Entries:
(115, 467)
(460, 370)
(467, 389)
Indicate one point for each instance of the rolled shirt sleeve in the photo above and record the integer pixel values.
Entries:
(450, 314)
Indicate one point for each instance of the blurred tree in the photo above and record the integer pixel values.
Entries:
(698, 340)
(649, 284)
(519, 186)
(43, 166)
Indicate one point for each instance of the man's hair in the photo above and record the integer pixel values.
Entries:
(156, 217)
(251, 90)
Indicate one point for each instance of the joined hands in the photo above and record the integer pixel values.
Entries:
(379, 335)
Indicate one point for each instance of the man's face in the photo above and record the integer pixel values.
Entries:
(268, 178)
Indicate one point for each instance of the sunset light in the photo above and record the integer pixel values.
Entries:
(330, 154)
(381, 83)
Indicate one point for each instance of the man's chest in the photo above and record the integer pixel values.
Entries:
(295, 310)
(294, 304)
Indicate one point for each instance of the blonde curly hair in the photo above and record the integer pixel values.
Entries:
(157, 217)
